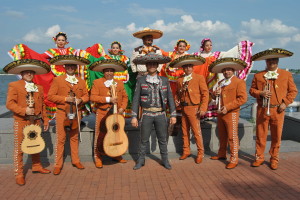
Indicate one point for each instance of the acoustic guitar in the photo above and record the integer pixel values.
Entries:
(115, 142)
(33, 142)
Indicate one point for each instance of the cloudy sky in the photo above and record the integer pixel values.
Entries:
(267, 23)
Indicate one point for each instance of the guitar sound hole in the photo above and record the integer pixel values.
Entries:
(115, 127)
(32, 135)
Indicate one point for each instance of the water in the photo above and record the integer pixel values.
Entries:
(245, 112)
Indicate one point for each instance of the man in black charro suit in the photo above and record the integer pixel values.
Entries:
(153, 94)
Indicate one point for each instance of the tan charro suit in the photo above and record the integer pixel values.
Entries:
(283, 90)
(58, 92)
(16, 102)
(196, 99)
(233, 96)
(99, 93)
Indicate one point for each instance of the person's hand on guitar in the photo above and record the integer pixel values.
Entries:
(121, 111)
(46, 127)
(78, 101)
(29, 111)
(134, 122)
(173, 120)
(70, 99)
(113, 99)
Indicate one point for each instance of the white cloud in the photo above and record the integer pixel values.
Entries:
(256, 27)
(296, 38)
(15, 14)
(41, 36)
(60, 8)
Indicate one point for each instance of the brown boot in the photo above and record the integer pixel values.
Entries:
(217, 158)
(257, 163)
(274, 165)
(42, 171)
(231, 165)
(120, 159)
(198, 159)
(20, 180)
(78, 165)
(184, 156)
(98, 164)
(56, 170)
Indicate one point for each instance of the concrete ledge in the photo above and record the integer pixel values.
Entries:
(291, 127)
(209, 131)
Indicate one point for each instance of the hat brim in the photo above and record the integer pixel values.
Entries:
(16, 67)
(100, 65)
(155, 33)
(187, 60)
(69, 59)
(272, 53)
(223, 63)
(151, 59)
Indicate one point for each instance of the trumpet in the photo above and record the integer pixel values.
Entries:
(266, 101)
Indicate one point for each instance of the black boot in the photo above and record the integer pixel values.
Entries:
(165, 162)
(140, 163)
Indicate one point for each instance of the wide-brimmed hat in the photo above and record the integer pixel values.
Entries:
(147, 31)
(272, 53)
(16, 67)
(100, 65)
(69, 59)
(151, 58)
(186, 60)
(220, 64)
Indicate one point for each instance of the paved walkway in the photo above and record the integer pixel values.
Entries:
(187, 180)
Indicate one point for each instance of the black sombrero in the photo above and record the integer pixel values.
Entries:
(16, 67)
(151, 58)
(186, 60)
(100, 65)
(69, 59)
(220, 64)
(272, 53)
(147, 31)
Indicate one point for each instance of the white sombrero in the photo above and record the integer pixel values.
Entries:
(16, 67)
(186, 60)
(69, 59)
(220, 64)
(147, 31)
(272, 53)
(100, 65)
(151, 58)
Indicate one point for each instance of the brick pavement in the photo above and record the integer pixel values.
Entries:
(187, 180)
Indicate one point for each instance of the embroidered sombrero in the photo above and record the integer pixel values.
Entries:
(147, 31)
(100, 65)
(16, 67)
(151, 58)
(272, 53)
(220, 64)
(187, 59)
(69, 59)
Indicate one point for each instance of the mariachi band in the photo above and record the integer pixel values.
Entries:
(164, 87)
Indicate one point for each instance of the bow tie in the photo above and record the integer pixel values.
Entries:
(108, 83)
(31, 87)
(271, 75)
(72, 79)
(187, 78)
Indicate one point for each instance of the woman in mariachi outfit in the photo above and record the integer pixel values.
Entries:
(127, 76)
(181, 48)
(243, 51)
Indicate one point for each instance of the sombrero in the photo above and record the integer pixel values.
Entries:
(100, 65)
(69, 59)
(151, 58)
(147, 31)
(272, 53)
(220, 64)
(187, 59)
(16, 67)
